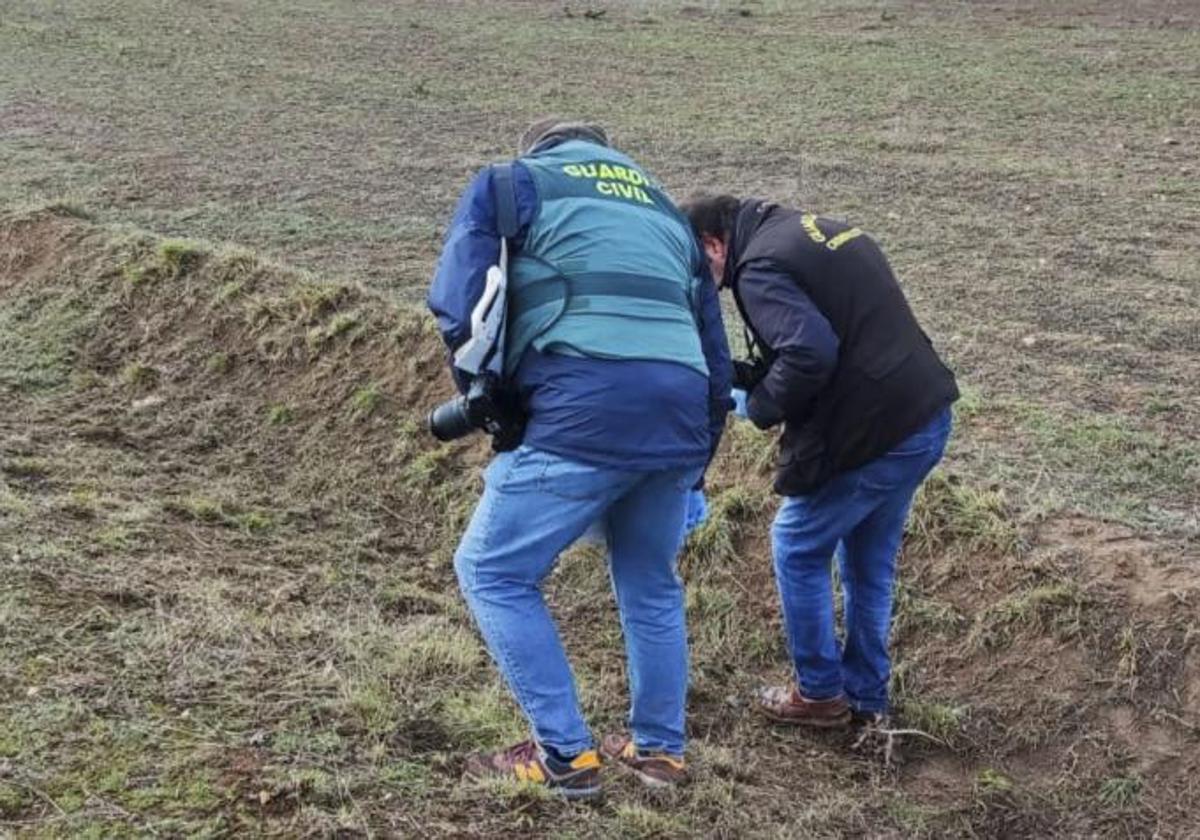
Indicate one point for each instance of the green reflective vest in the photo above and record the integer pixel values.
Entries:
(608, 267)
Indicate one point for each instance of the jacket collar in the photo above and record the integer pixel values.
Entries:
(749, 216)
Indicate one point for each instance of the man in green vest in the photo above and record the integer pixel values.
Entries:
(616, 354)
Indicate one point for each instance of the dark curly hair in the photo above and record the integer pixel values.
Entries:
(711, 215)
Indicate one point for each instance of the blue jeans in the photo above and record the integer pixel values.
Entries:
(534, 505)
(863, 511)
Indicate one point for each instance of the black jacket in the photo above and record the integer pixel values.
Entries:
(853, 378)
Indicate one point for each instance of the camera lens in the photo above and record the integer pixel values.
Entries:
(449, 421)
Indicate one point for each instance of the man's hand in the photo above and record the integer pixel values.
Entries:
(746, 375)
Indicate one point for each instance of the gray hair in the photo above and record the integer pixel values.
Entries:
(557, 128)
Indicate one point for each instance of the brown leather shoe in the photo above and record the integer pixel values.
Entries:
(785, 704)
(657, 770)
(526, 762)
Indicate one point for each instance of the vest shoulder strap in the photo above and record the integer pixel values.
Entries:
(504, 199)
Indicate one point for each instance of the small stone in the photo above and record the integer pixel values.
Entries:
(1029, 341)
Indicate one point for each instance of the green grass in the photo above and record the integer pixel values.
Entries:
(1120, 791)
(365, 400)
(991, 782)
(940, 720)
(483, 716)
(38, 335)
(341, 323)
(280, 415)
(25, 466)
(1111, 464)
(434, 648)
(180, 255)
(949, 512)
(1057, 606)
(219, 363)
(138, 375)
(639, 821)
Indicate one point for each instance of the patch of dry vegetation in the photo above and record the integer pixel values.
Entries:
(229, 608)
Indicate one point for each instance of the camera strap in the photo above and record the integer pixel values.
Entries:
(504, 199)
(483, 351)
(752, 347)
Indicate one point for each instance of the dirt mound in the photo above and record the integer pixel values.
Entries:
(1145, 576)
(206, 352)
(231, 607)
(1067, 669)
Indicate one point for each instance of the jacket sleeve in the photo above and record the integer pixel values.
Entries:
(470, 248)
(803, 343)
(715, 344)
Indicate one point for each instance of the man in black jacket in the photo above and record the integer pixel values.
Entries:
(838, 358)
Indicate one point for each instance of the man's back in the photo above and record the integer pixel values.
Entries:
(888, 379)
(613, 324)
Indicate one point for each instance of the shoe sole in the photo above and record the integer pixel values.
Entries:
(645, 778)
(571, 793)
(578, 794)
(812, 723)
(650, 781)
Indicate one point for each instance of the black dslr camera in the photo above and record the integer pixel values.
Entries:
(487, 406)
(747, 374)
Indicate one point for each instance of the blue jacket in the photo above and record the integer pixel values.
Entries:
(591, 410)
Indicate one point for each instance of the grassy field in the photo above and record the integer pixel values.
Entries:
(226, 603)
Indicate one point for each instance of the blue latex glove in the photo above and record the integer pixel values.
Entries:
(739, 402)
(697, 511)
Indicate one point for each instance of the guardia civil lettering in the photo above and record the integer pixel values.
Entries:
(613, 181)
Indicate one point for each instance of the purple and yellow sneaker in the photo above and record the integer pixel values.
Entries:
(653, 769)
(578, 778)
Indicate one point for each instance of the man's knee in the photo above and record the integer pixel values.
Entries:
(790, 552)
(660, 620)
(649, 597)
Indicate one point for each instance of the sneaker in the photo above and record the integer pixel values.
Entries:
(785, 704)
(653, 769)
(578, 778)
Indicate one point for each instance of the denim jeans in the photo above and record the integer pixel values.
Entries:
(863, 511)
(534, 505)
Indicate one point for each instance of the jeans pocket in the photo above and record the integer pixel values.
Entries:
(897, 470)
(514, 470)
(569, 479)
